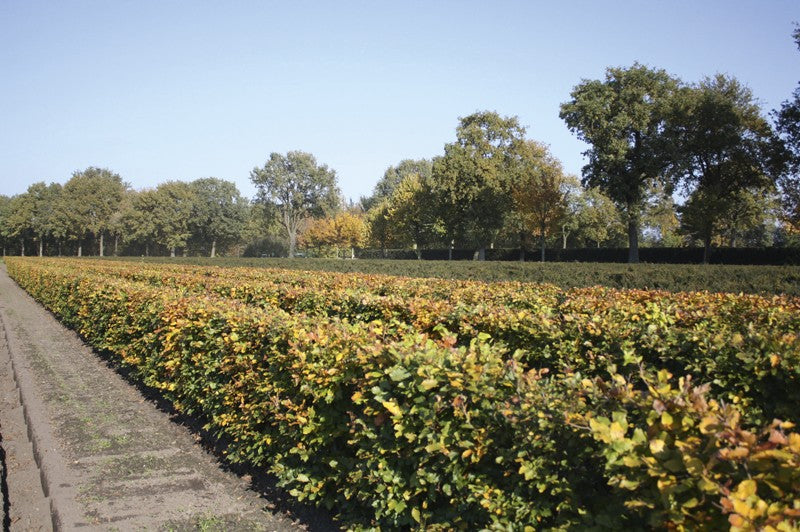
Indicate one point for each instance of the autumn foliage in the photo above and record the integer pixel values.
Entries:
(441, 404)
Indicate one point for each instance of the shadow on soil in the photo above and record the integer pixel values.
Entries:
(276, 499)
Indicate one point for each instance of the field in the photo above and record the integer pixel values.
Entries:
(441, 403)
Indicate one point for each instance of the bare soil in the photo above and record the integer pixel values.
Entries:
(84, 448)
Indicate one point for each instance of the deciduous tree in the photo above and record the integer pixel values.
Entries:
(622, 118)
(539, 192)
(87, 203)
(472, 180)
(218, 214)
(298, 187)
(787, 122)
(722, 146)
(393, 176)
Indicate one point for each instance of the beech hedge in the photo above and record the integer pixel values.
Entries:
(587, 408)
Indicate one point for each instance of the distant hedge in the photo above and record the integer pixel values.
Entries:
(766, 280)
(683, 255)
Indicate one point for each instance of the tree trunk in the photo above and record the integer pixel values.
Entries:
(80, 249)
(147, 250)
(59, 248)
(185, 252)
(563, 239)
(480, 254)
(41, 247)
(213, 248)
(292, 244)
(21, 247)
(633, 239)
(172, 251)
(450, 250)
(102, 243)
(706, 247)
(542, 245)
(116, 244)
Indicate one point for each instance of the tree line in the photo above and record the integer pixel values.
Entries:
(651, 138)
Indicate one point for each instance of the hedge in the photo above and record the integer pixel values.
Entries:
(395, 425)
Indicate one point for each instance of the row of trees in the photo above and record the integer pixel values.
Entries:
(651, 138)
(95, 204)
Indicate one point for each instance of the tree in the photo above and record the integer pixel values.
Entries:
(393, 176)
(349, 231)
(598, 219)
(472, 180)
(539, 193)
(380, 231)
(411, 212)
(5, 207)
(722, 146)
(219, 212)
(574, 203)
(173, 203)
(787, 123)
(622, 118)
(42, 199)
(751, 219)
(660, 222)
(87, 203)
(19, 220)
(298, 187)
(137, 219)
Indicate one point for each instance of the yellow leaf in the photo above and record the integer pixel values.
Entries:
(746, 488)
(656, 446)
(427, 384)
(392, 407)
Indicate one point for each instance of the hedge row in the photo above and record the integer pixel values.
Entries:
(657, 255)
(747, 347)
(767, 280)
(395, 425)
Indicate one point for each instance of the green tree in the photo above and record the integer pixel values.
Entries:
(787, 123)
(393, 176)
(539, 193)
(43, 199)
(622, 118)
(722, 146)
(380, 231)
(298, 188)
(137, 221)
(472, 180)
(5, 210)
(660, 222)
(219, 212)
(411, 212)
(87, 203)
(173, 205)
(574, 203)
(598, 218)
(19, 220)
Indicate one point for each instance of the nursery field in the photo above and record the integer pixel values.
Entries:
(412, 402)
(766, 280)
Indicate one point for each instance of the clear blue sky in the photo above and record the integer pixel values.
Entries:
(160, 90)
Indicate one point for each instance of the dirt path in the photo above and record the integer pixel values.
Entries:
(106, 456)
